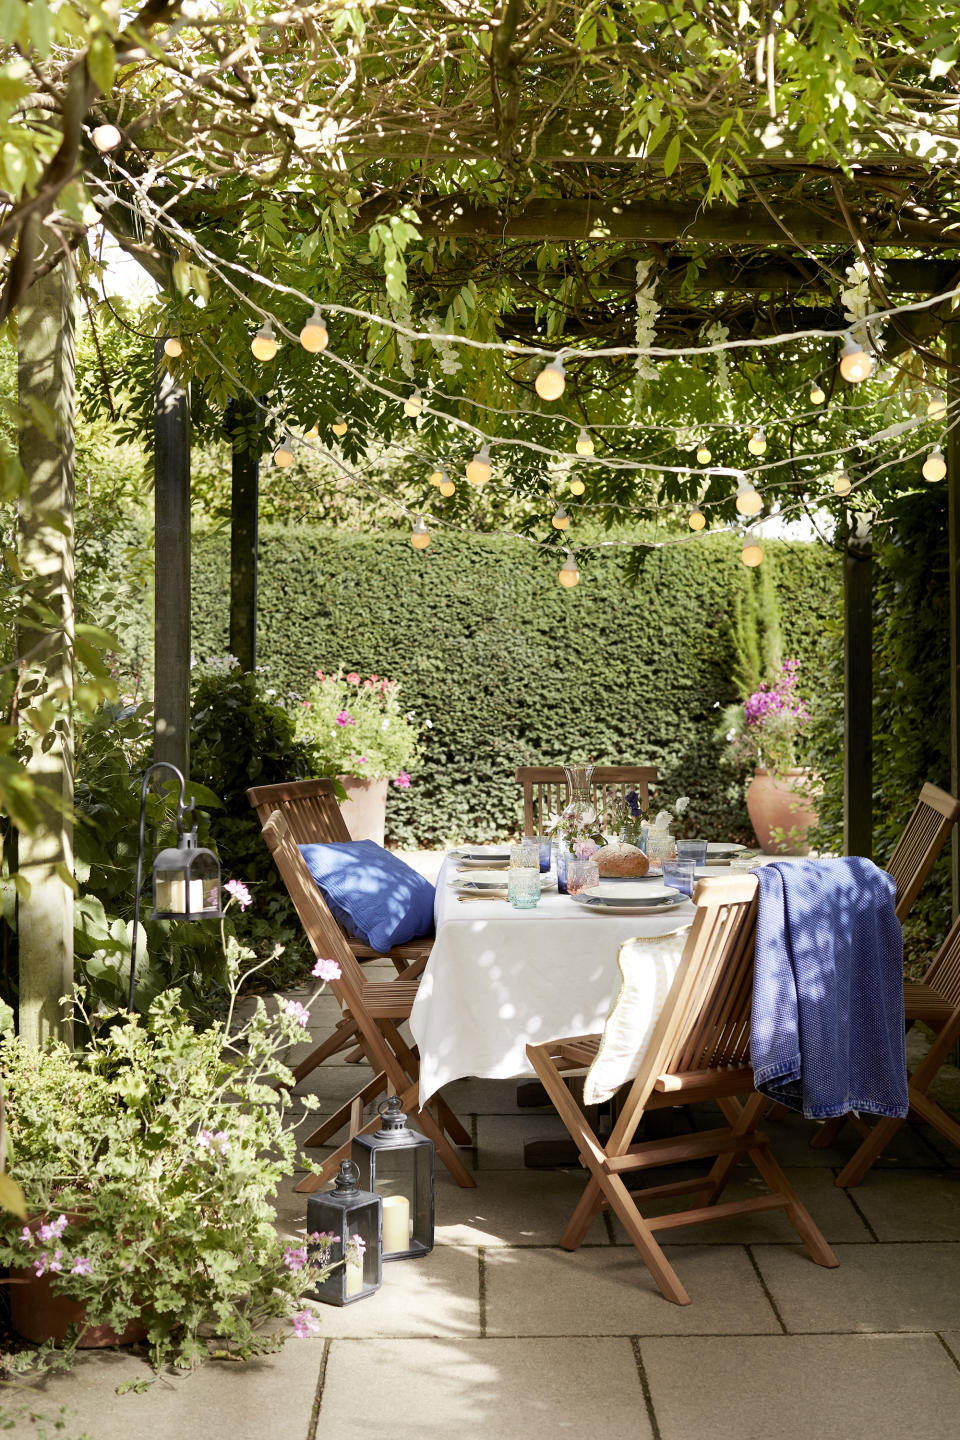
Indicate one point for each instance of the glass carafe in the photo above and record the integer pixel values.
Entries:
(579, 804)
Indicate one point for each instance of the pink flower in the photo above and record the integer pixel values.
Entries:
(353, 678)
(305, 704)
(583, 849)
(319, 674)
(326, 970)
(26, 1235)
(295, 1257)
(304, 1325)
(343, 717)
(45, 1262)
(213, 1140)
(239, 892)
(362, 760)
(54, 1229)
(402, 781)
(81, 1265)
(296, 1011)
(374, 677)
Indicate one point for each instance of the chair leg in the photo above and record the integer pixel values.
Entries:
(587, 1209)
(623, 1203)
(827, 1132)
(863, 1158)
(341, 1036)
(345, 1113)
(796, 1211)
(934, 1114)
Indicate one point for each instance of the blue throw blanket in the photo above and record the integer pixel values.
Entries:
(827, 1033)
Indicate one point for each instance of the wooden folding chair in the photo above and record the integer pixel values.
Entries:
(934, 1000)
(373, 1011)
(313, 817)
(545, 789)
(699, 1051)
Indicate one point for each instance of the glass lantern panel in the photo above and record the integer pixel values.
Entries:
(354, 1249)
(204, 883)
(171, 876)
(403, 1178)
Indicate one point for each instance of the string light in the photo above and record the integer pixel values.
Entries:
(569, 574)
(313, 433)
(283, 455)
(446, 487)
(106, 137)
(703, 456)
(339, 426)
(436, 478)
(264, 343)
(842, 484)
(172, 347)
(561, 520)
(696, 520)
(748, 500)
(315, 336)
(479, 469)
(577, 486)
(757, 443)
(584, 443)
(934, 467)
(751, 554)
(855, 363)
(420, 535)
(817, 396)
(552, 381)
(936, 406)
(413, 405)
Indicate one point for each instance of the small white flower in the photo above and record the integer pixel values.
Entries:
(682, 804)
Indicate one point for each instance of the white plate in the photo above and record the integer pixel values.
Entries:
(718, 848)
(481, 880)
(488, 863)
(479, 856)
(629, 892)
(603, 905)
(463, 886)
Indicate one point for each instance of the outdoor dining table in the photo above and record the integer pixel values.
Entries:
(500, 978)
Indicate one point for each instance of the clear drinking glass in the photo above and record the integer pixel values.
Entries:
(544, 846)
(523, 887)
(660, 846)
(679, 875)
(695, 850)
(525, 856)
(581, 875)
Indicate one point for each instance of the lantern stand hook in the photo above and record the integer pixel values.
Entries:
(182, 809)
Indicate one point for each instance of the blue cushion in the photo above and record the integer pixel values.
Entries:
(377, 897)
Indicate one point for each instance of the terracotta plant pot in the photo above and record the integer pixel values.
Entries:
(38, 1314)
(365, 808)
(775, 806)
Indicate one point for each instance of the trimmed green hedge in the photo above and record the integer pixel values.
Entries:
(510, 668)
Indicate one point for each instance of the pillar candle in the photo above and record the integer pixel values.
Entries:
(354, 1269)
(172, 896)
(396, 1223)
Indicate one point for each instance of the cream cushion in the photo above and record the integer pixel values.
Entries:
(648, 968)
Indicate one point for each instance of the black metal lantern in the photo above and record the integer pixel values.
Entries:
(186, 878)
(349, 1220)
(398, 1164)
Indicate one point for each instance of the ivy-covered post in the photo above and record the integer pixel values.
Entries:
(243, 423)
(45, 376)
(171, 462)
(953, 535)
(858, 685)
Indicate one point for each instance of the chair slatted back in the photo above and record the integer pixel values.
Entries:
(545, 790)
(924, 836)
(309, 807)
(325, 936)
(943, 974)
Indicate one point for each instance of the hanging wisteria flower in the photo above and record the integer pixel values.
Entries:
(239, 892)
(326, 970)
(296, 1011)
(295, 1257)
(305, 1324)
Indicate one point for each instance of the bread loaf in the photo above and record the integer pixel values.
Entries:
(622, 860)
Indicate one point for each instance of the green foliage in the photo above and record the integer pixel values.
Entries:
(357, 726)
(503, 667)
(161, 1147)
(757, 629)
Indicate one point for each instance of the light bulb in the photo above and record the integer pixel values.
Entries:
(697, 520)
(315, 336)
(283, 455)
(936, 406)
(561, 520)
(817, 396)
(757, 443)
(551, 382)
(106, 137)
(420, 535)
(703, 456)
(855, 363)
(584, 443)
(172, 347)
(447, 487)
(748, 499)
(413, 405)
(751, 554)
(436, 478)
(313, 433)
(934, 467)
(842, 484)
(569, 574)
(479, 470)
(577, 487)
(339, 426)
(264, 343)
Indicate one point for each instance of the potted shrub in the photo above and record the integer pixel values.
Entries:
(766, 729)
(358, 728)
(147, 1163)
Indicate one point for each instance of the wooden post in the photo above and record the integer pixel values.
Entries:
(858, 687)
(244, 429)
(953, 531)
(45, 856)
(171, 462)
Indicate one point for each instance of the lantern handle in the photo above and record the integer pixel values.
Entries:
(182, 809)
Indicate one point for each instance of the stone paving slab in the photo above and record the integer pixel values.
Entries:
(501, 1138)
(508, 1389)
(528, 1208)
(917, 1205)
(791, 1387)
(877, 1287)
(438, 1295)
(609, 1291)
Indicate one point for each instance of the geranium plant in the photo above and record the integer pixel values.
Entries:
(357, 725)
(766, 729)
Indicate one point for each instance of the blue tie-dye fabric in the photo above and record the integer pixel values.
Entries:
(827, 1033)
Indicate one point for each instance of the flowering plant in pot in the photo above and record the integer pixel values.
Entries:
(148, 1161)
(766, 729)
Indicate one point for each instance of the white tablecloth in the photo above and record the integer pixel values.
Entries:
(499, 979)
